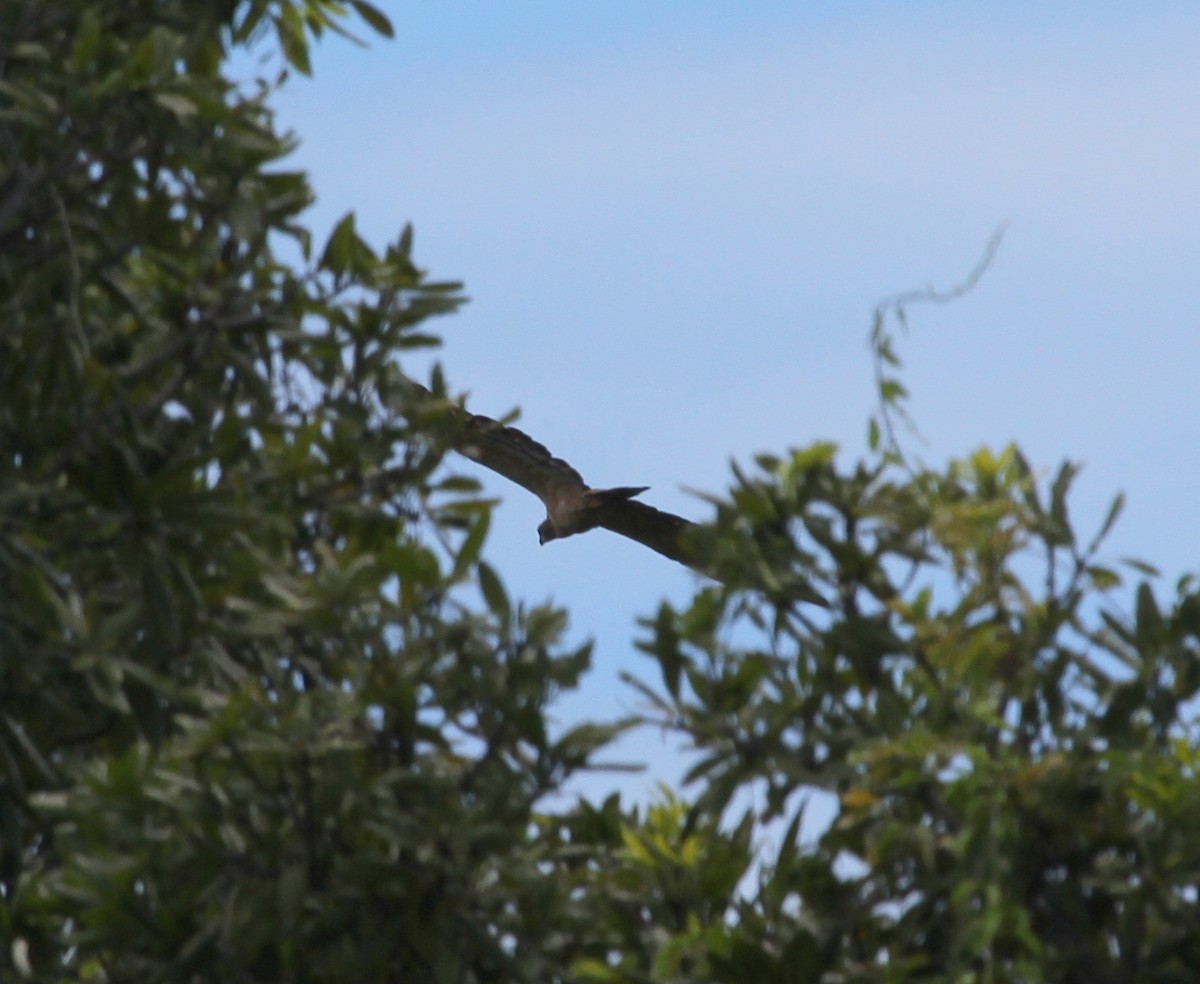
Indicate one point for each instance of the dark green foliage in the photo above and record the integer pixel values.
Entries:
(247, 731)
(1011, 751)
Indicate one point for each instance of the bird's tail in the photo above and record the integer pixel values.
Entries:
(620, 493)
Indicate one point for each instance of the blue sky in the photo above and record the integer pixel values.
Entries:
(675, 219)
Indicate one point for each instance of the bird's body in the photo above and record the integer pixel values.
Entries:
(569, 513)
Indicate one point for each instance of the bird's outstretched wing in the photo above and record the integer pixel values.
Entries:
(571, 506)
(661, 531)
(519, 458)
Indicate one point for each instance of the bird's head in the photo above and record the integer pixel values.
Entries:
(547, 532)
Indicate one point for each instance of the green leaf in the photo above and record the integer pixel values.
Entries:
(1103, 578)
(1058, 503)
(289, 29)
(341, 248)
(251, 16)
(665, 647)
(493, 593)
(178, 104)
(818, 455)
(1141, 566)
(375, 17)
(469, 552)
(31, 50)
(404, 244)
(1114, 510)
(590, 969)
(580, 742)
(1149, 625)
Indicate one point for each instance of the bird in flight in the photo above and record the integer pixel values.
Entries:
(572, 506)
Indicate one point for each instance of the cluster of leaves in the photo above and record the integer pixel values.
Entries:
(1003, 757)
(247, 730)
(250, 731)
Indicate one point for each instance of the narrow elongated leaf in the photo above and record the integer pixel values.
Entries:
(1149, 625)
(375, 17)
(1114, 510)
(493, 593)
(468, 553)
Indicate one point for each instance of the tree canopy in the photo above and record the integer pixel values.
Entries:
(254, 727)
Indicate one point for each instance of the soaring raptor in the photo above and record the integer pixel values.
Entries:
(572, 506)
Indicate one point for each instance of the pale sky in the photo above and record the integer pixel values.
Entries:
(674, 220)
